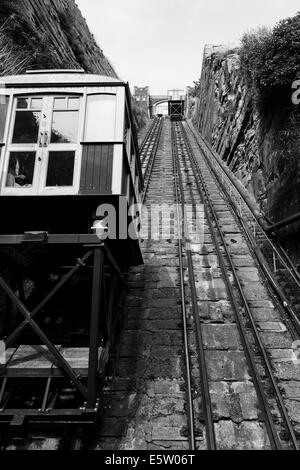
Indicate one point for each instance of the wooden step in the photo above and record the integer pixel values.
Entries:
(36, 360)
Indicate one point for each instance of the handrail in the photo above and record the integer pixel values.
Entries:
(269, 269)
(258, 217)
(284, 222)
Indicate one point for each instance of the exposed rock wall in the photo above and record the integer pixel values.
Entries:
(262, 149)
(52, 34)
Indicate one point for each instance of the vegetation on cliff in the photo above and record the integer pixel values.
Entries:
(270, 59)
(12, 59)
(24, 46)
(50, 35)
(139, 116)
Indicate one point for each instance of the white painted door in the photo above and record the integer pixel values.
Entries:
(43, 149)
(60, 170)
(24, 150)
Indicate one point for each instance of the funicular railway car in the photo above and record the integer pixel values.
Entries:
(176, 105)
(176, 110)
(69, 158)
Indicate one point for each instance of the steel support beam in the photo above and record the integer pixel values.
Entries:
(102, 305)
(61, 362)
(14, 335)
(94, 326)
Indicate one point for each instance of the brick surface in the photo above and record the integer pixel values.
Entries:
(221, 336)
(148, 410)
(227, 365)
(245, 436)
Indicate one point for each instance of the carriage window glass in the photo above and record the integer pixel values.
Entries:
(20, 169)
(64, 127)
(36, 103)
(26, 127)
(60, 168)
(22, 103)
(3, 113)
(60, 103)
(100, 118)
(73, 103)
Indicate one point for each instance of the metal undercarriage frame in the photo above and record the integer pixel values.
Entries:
(108, 288)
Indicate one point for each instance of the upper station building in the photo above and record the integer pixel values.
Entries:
(158, 105)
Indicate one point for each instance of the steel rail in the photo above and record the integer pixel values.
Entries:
(283, 304)
(206, 399)
(190, 407)
(150, 163)
(148, 133)
(269, 422)
(278, 249)
(292, 320)
(275, 443)
(150, 143)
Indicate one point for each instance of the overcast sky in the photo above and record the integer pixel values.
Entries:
(160, 42)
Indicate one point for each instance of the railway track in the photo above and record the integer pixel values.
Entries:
(146, 141)
(278, 268)
(147, 148)
(205, 335)
(148, 152)
(150, 386)
(194, 179)
(204, 360)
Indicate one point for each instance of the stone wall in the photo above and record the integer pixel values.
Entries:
(261, 148)
(52, 34)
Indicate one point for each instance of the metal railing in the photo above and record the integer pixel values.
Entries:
(278, 267)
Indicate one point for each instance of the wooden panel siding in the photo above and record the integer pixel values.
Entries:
(96, 169)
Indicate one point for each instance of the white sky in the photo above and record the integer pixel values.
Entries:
(160, 42)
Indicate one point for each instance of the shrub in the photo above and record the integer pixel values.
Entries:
(270, 59)
(195, 90)
(139, 116)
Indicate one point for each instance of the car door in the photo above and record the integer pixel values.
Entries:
(60, 165)
(24, 148)
(43, 146)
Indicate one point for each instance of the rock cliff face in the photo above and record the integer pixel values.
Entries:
(51, 34)
(262, 149)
